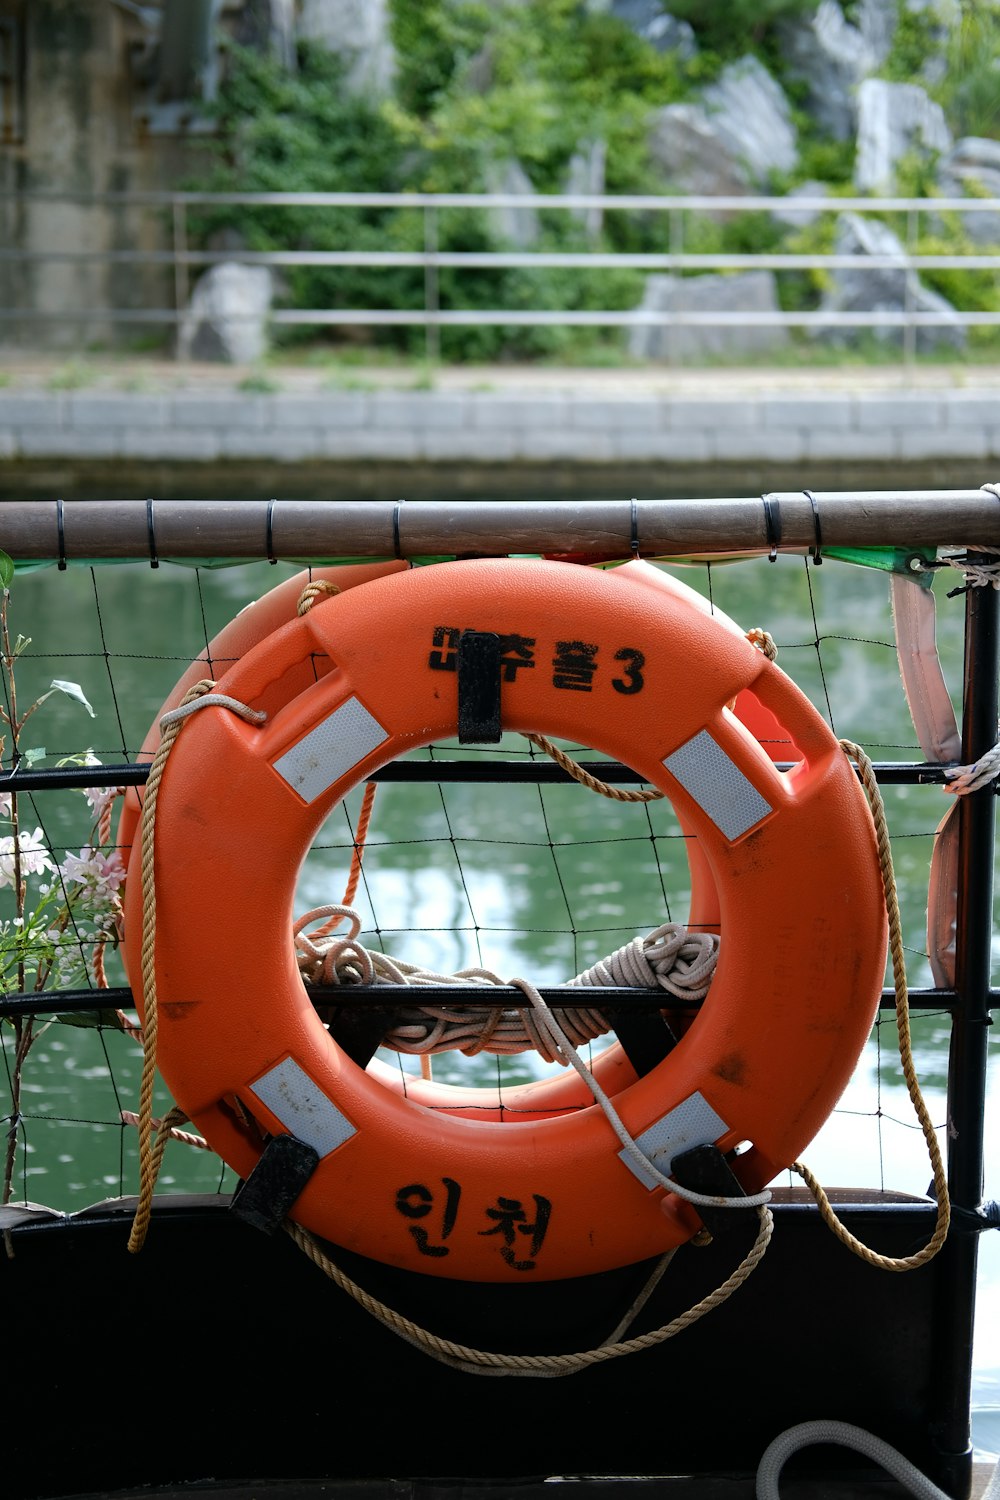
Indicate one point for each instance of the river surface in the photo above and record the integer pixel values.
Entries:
(539, 882)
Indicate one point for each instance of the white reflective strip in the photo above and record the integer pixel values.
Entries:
(304, 1110)
(693, 1122)
(330, 749)
(718, 785)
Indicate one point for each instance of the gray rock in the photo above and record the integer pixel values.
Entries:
(897, 288)
(751, 114)
(748, 291)
(894, 119)
(649, 20)
(690, 155)
(798, 218)
(944, 16)
(973, 167)
(226, 320)
(517, 225)
(831, 58)
(359, 31)
(585, 174)
(975, 151)
(877, 21)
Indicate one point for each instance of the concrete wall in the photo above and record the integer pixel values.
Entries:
(388, 443)
(80, 130)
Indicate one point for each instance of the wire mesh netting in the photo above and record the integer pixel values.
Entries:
(540, 879)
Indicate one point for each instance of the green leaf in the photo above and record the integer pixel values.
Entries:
(6, 570)
(31, 757)
(88, 1019)
(72, 690)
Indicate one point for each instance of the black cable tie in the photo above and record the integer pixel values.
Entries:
(397, 550)
(269, 534)
(61, 536)
(635, 528)
(817, 550)
(772, 523)
(154, 561)
(975, 1220)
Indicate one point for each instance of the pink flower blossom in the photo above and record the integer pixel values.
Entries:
(99, 797)
(99, 874)
(34, 856)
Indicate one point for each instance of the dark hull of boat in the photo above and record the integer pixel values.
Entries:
(220, 1356)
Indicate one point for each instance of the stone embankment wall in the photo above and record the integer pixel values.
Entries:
(455, 426)
(388, 442)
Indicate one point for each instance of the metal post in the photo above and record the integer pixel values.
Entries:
(182, 289)
(676, 248)
(967, 1071)
(432, 334)
(909, 330)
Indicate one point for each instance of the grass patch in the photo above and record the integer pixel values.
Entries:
(73, 376)
(258, 383)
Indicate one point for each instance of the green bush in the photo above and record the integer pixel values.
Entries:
(556, 80)
(733, 27)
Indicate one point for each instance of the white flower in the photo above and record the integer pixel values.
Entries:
(99, 797)
(4, 804)
(34, 856)
(99, 875)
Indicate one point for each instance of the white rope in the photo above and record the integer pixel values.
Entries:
(344, 958)
(979, 566)
(964, 779)
(570, 1055)
(212, 700)
(848, 1436)
(670, 958)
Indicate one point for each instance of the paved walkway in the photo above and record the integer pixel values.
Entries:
(586, 425)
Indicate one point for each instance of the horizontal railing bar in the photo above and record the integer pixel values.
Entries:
(507, 997)
(647, 202)
(508, 259)
(477, 772)
(494, 318)
(597, 529)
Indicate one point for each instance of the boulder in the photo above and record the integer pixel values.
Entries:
(226, 319)
(359, 32)
(690, 155)
(877, 21)
(747, 291)
(830, 57)
(649, 20)
(973, 166)
(585, 174)
(516, 225)
(896, 288)
(798, 218)
(893, 120)
(750, 113)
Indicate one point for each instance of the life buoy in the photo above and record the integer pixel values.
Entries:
(253, 623)
(630, 662)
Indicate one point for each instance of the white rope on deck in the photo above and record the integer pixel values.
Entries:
(670, 958)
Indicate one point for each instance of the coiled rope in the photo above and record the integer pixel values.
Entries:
(670, 958)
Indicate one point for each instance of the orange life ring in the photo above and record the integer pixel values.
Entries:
(253, 624)
(646, 679)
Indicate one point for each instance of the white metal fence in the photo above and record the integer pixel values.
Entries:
(50, 277)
